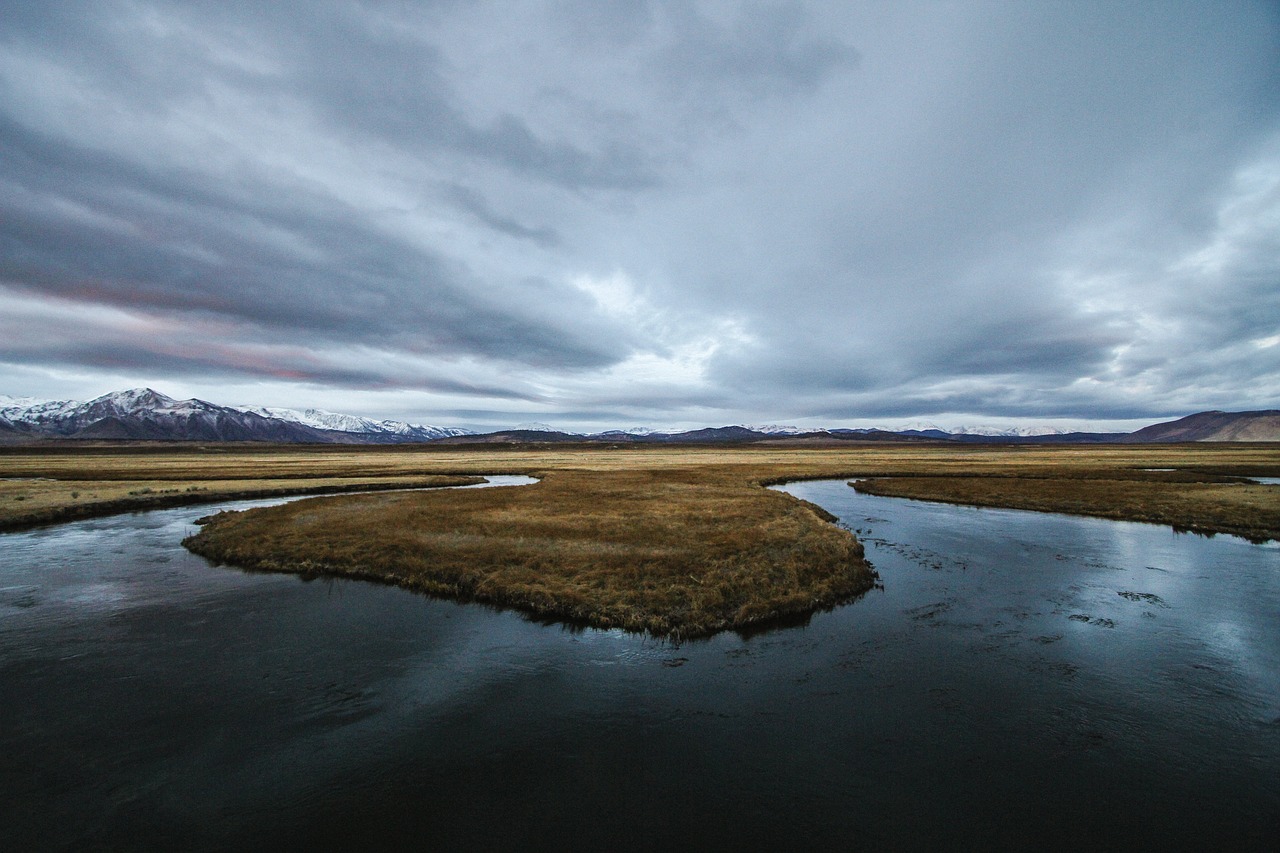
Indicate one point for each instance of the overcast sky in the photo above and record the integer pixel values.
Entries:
(646, 213)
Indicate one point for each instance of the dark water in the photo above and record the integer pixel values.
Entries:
(1021, 680)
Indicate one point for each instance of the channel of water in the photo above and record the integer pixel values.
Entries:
(1021, 680)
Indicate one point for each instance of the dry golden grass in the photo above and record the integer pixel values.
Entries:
(672, 540)
(30, 502)
(1244, 510)
(672, 552)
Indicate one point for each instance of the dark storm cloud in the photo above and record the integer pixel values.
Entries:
(116, 342)
(277, 253)
(297, 263)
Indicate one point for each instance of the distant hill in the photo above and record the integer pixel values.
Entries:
(835, 437)
(1215, 426)
(513, 436)
(707, 435)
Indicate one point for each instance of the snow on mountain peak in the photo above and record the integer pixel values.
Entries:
(315, 418)
(320, 419)
(535, 427)
(777, 429)
(919, 426)
(152, 414)
(143, 402)
(7, 402)
(1007, 431)
(136, 399)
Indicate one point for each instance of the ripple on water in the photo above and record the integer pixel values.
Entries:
(1007, 667)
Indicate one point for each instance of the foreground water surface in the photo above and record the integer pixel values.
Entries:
(1020, 680)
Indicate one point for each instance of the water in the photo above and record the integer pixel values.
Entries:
(1022, 679)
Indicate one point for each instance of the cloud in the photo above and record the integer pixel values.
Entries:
(311, 268)
(760, 51)
(707, 211)
(133, 340)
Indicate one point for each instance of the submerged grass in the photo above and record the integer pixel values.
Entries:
(676, 541)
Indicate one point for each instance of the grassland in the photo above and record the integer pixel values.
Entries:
(674, 552)
(1245, 510)
(58, 494)
(676, 541)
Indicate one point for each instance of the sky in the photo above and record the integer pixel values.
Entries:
(667, 214)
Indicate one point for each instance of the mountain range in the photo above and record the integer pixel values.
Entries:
(144, 414)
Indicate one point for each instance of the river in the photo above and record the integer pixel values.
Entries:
(1021, 680)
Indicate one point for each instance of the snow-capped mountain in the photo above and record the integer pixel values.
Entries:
(71, 414)
(767, 429)
(641, 431)
(7, 402)
(30, 410)
(142, 413)
(918, 426)
(322, 420)
(776, 429)
(535, 427)
(1022, 432)
(981, 430)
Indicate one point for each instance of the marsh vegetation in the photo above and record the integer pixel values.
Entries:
(1201, 504)
(671, 541)
(670, 552)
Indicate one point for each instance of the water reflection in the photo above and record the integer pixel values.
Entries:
(1021, 679)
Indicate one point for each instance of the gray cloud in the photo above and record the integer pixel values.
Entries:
(471, 201)
(81, 224)
(706, 211)
(764, 50)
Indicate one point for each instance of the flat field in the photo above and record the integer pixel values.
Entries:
(675, 541)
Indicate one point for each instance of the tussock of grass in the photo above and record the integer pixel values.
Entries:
(674, 553)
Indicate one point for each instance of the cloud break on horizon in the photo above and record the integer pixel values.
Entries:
(646, 213)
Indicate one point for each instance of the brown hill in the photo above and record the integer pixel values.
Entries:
(1216, 426)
